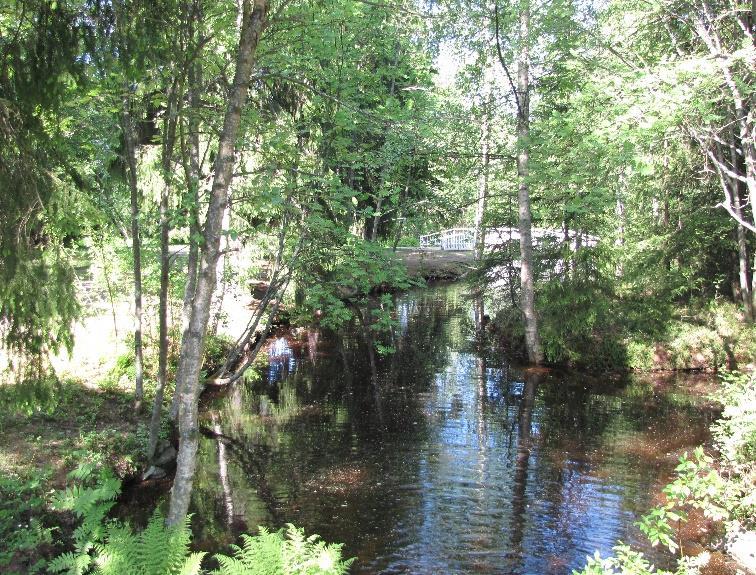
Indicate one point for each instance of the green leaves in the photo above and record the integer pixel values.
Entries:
(288, 552)
(109, 547)
(626, 561)
(657, 529)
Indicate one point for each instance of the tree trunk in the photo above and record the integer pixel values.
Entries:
(400, 217)
(753, 282)
(373, 231)
(192, 171)
(532, 341)
(480, 207)
(745, 286)
(732, 191)
(377, 216)
(222, 280)
(190, 359)
(737, 200)
(709, 30)
(169, 139)
(131, 171)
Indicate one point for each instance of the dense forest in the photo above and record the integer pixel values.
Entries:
(179, 179)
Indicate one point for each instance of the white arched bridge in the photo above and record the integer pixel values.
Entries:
(463, 239)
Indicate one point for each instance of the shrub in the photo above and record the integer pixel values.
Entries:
(31, 395)
(735, 432)
(581, 325)
(217, 348)
(286, 551)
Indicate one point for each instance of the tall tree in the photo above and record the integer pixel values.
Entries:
(191, 163)
(125, 30)
(521, 94)
(127, 127)
(173, 98)
(253, 19)
(39, 72)
(483, 181)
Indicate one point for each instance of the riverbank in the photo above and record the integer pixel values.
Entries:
(300, 444)
(435, 264)
(589, 326)
(710, 497)
(584, 328)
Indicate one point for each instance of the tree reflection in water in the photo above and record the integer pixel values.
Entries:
(441, 457)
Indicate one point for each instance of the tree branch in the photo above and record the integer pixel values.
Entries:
(730, 210)
(503, 63)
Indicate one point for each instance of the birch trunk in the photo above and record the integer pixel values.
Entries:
(532, 341)
(745, 286)
(480, 207)
(131, 175)
(169, 138)
(192, 170)
(190, 359)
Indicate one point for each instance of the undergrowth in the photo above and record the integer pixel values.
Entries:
(25, 528)
(104, 546)
(588, 324)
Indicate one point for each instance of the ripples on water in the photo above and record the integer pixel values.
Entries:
(440, 458)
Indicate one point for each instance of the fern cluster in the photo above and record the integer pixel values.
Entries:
(284, 552)
(104, 546)
(90, 500)
(158, 550)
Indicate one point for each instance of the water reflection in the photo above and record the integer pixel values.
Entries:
(281, 360)
(441, 457)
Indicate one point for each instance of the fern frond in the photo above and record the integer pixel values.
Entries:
(108, 489)
(70, 563)
(192, 565)
(287, 552)
(163, 550)
(118, 554)
(84, 470)
(228, 565)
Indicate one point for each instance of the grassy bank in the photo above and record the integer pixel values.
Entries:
(50, 426)
(590, 326)
(47, 430)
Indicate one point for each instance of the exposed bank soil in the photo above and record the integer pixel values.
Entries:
(436, 264)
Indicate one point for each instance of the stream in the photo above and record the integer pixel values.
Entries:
(441, 457)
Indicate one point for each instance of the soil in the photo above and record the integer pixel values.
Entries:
(50, 440)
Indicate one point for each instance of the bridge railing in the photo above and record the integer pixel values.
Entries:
(431, 240)
(464, 238)
(451, 239)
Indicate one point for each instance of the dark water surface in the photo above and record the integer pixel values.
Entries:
(439, 458)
